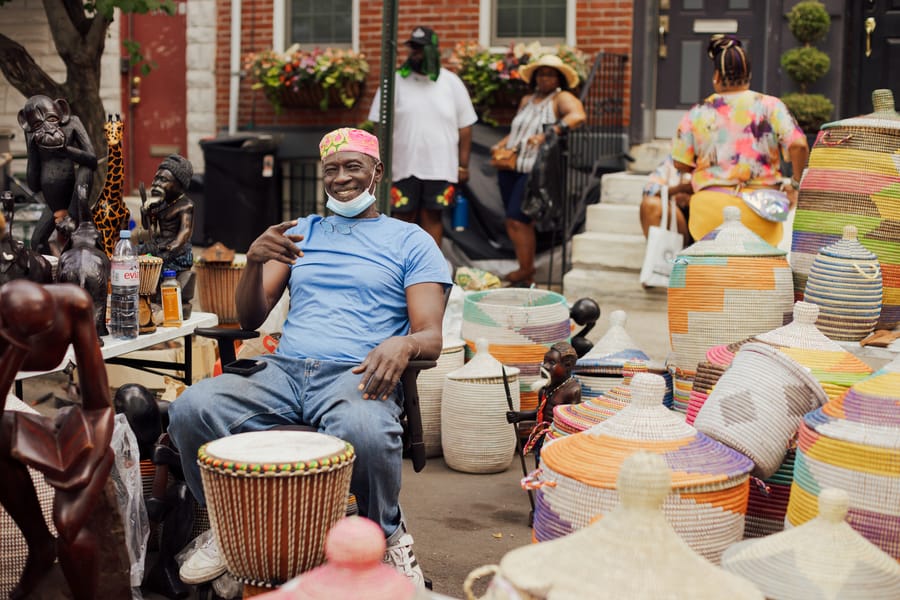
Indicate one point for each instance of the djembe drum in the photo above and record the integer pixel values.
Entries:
(149, 268)
(272, 497)
(217, 283)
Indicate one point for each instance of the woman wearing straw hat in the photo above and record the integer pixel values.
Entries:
(732, 142)
(549, 103)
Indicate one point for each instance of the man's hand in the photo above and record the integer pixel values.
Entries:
(274, 244)
(383, 367)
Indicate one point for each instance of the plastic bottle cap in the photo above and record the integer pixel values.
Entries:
(169, 273)
(125, 234)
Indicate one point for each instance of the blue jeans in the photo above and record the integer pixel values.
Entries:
(292, 391)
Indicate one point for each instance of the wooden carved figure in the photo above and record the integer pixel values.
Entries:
(16, 262)
(37, 324)
(110, 213)
(60, 157)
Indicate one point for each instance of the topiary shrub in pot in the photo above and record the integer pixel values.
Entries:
(809, 22)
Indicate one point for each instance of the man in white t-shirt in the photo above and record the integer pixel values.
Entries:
(432, 137)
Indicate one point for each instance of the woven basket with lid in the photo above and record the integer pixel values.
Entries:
(830, 364)
(729, 286)
(710, 480)
(853, 443)
(520, 325)
(845, 283)
(631, 553)
(823, 558)
(475, 435)
(430, 385)
(853, 178)
(709, 371)
(601, 368)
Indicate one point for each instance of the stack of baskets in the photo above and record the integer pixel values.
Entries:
(601, 368)
(853, 443)
(823, 558)
(574, 418)
(430, 385)
(845, 283)
(727, 287)
(852, 178)
(475, 436)
(709, 480)
(520, 325)
(709, 371)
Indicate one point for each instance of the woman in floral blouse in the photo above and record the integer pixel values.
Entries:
(733, 141)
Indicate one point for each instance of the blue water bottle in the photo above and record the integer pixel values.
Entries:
(461, 213)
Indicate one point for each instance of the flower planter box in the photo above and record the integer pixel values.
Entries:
(314, 96)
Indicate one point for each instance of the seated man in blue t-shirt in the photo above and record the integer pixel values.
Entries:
(366, 297)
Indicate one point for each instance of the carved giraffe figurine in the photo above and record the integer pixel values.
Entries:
(110, 212)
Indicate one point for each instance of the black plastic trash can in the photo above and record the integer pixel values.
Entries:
(242, 189)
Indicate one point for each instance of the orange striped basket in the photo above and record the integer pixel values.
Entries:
(852, 178)
(727, 287)
(577, 480)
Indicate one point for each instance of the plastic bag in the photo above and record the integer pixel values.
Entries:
(452, 325)
(130, 498)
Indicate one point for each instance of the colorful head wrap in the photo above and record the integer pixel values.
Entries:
(347, 139)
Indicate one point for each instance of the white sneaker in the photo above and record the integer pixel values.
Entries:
(205, 564)
(399, 554)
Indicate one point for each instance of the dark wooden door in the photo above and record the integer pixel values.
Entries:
(684, 73)
(875, 35)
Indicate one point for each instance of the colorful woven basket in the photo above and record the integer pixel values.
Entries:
(853, 443)
(768, 500)
(520, 325)
(830, 364)
(601, 368)
(853, 178)
(757, 405)
(729, 286)
(709, 371)
(475, 436)
(430, 385)
(845, 282)
(823, 558)
(631, 553)
(710, 480)
(682, 384)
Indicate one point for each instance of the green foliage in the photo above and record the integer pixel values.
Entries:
(805, 65)
(809, 21)
(810, 110)
(330, 68)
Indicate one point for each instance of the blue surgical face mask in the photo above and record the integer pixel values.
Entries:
(352, 208)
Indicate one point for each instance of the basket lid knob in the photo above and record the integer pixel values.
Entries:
(617, 318)
(647, 389)
(644, 481)
(806, 312)
(850, 233)
(731, 214)
(883, 101)
(833, 505)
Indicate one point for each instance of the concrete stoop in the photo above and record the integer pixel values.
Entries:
(614, 289)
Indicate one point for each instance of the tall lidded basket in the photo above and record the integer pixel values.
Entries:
(853, 178)
(845, 282)
(431, 390)
(727, 287)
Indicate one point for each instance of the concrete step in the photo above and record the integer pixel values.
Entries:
(615, 289)
(622, 187)
(608, 250)
(614, 218)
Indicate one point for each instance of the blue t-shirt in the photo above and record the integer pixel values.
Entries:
(348, 290)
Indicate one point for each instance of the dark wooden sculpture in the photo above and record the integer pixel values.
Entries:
(168, 214)
(562, 388)
(85, 265)
(72, 450)
(56, 142)
(17, 262)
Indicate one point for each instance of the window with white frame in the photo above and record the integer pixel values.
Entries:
(529, 20)
(314, 23)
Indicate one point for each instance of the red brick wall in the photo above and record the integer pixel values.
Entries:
(602, 25)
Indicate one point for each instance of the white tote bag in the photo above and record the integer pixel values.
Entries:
(663, 244)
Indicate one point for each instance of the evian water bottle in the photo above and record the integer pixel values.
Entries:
(125, 280)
